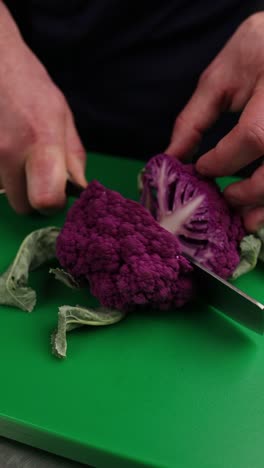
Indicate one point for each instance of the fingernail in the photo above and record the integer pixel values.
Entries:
(82, 180)
(77, 170)
(79, 178)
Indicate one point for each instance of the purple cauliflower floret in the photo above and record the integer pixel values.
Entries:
(128, 259)
(192, 208)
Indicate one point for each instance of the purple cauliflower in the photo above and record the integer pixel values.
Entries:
(126, 257)
(193, 209)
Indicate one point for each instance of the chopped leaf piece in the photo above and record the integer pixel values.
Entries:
(65, 277)
(36, 249)
(250, 248)
(14, 294)
(71, 317)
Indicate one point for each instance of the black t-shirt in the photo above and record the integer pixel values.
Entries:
(126, 67)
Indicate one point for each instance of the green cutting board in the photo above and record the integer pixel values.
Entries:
(178, 389)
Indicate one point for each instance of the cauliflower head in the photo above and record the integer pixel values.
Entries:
(116, 246)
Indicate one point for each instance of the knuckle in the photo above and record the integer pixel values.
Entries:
(29, 134)
(219, 148)
(181, 121)
(204, 77)
(58, 103)
(78, 152)
(255, 134)
(215, 78)
(253, 22)
(195, 131)
(15, 141)
(32, 125)
(257, 180)
(209, 76)
(76, 148)
(74, 144)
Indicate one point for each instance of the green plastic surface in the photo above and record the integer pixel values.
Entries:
(177, 389)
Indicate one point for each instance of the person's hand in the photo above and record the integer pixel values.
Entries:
(234, 81)
(39, 145)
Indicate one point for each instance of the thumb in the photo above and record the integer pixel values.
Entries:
(208, 101)
(76, 154)
(46, 176)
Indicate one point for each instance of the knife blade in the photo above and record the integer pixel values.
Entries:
(228, 299)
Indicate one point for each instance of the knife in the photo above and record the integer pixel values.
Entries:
(219, 293)
(228, 299)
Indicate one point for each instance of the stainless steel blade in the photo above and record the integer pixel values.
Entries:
(229, 300)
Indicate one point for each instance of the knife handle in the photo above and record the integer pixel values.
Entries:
(72, 189)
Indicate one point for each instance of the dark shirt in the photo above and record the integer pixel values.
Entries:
(128, 67)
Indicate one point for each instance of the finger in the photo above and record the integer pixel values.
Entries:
(248, 192)
(46, 169)
(208, 101)
(254, 219)
(76, 155)
(241, 146)
(46, 176)
(14, 182)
